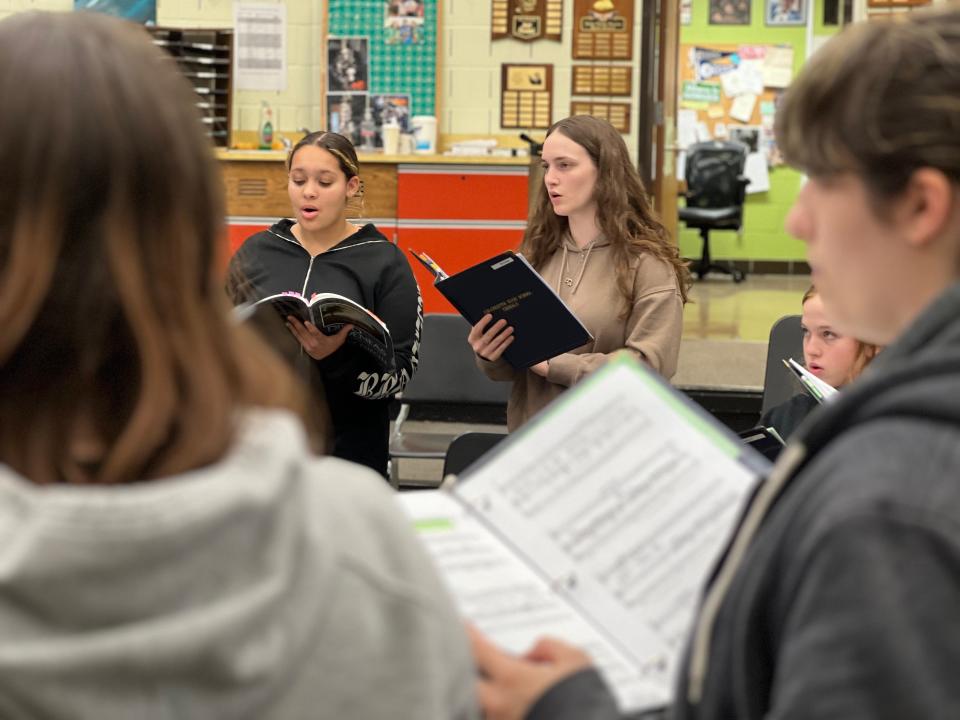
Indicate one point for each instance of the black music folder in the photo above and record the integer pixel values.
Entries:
(765, 440)
(507, 286)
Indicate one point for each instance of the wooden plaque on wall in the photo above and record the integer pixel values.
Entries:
(526, 20)
(526, 96)
(601, 80)
(617, 114)
(603, 29)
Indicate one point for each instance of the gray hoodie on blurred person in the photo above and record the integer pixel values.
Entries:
(272, 584)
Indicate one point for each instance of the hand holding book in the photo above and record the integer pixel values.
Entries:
(509, 290)
(318, 343)
(489, 338)
(520, 681)
(331, 315)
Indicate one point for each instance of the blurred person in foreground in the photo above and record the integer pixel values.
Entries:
(170, 546)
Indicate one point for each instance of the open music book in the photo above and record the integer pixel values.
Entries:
(597, 522)
(818, 389)
(329, 312)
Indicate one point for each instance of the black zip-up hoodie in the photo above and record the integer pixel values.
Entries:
(371, 270)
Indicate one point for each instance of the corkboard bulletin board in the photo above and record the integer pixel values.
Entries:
(711, 114)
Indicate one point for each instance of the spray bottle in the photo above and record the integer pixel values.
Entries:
(266, 126)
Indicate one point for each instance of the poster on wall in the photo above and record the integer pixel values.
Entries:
(786, 12)
(347, 64)
(709, 63)
(141, 11)
(403, 22)
(526, 20)
(729, 12)
(603, 29)
(389, 109)
(686, 11)
(346, 113)
(748, 135)
(260, 42)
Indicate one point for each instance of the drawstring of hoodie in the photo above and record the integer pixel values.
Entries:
(583, 267)
(791, 458)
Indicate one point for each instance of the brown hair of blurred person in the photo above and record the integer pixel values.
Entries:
(118, 361)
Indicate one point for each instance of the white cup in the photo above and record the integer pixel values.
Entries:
(406, 144)
(391, 139)
(425, 134)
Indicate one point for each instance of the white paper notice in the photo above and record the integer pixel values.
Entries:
(742, 107)
(732, 84)
(778, 66)
(757, 173)
(751, 76)
(686, 128)
(260, 46)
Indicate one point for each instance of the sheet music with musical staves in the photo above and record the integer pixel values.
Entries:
(597, 522)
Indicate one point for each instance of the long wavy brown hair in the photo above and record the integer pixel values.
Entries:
(624, 214)
(118, 362)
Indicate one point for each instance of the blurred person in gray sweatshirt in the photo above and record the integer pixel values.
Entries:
(170, 544)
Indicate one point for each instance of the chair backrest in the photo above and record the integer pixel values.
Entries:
(448, 371)
(714, 174)
(467, 448)
(786, 341)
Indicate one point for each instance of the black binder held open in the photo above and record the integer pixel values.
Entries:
(507, 286)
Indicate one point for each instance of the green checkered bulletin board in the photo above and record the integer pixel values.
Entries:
(395, 66)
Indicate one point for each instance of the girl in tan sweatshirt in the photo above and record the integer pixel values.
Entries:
(594, 238)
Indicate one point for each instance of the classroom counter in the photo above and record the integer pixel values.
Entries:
(458, 209)
(224, 154)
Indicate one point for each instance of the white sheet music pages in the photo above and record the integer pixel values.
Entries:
(597, 523)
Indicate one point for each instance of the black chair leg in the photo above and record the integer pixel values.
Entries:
(706, 265)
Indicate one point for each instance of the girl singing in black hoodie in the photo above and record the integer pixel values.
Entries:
(321, 251)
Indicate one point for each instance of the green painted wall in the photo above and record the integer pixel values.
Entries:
(763, 236)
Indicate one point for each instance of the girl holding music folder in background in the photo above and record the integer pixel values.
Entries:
(834, 358)
(838, 595)
(595, 239)
(172, 546)
(321, 251)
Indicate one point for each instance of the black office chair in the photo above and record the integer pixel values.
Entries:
(467, 449)
(786, 341)
(716, 190)
(447, 374)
